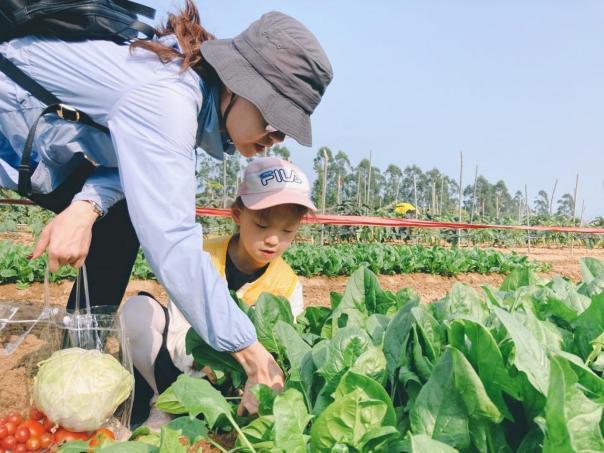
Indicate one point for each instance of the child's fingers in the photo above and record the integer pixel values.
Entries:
(241, 409)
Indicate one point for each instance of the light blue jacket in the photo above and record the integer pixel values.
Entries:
(151, 110)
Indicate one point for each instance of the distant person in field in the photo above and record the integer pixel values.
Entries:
(160, 100)
(272, 199)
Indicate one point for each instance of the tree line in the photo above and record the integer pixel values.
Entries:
(364, 188)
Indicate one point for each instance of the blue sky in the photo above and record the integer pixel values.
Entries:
(518, 86)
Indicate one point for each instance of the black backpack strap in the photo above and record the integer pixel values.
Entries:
(54, 105)
(26, 82)
(136, 8)
(143, 28)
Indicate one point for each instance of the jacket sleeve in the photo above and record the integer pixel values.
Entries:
(103, 187)
(153, 130)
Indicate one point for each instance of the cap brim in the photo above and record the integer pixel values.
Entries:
(241, 78)
(257, 201)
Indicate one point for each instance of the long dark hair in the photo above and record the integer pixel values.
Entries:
(187, 28)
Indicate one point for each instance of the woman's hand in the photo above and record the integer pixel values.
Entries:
(261, 368)
(67, 236)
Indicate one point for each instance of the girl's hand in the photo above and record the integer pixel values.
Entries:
(67, 237)
(261, 368)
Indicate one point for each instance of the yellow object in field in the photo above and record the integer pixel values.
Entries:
(404, 208)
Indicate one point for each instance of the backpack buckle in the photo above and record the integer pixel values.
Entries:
(68, 113)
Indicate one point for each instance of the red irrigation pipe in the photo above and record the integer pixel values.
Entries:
(394, 222)
(352, 220)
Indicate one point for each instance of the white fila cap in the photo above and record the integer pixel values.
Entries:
(270, 181)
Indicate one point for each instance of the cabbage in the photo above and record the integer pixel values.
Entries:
(80, 389)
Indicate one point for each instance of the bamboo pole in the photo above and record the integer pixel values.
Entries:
(415, 191)
(474, 195)
(572, 235)
(460, 194)
(324, 192)
(528, 218)
(359, 187)
(440, 204)
(551, 200)
(368, 198)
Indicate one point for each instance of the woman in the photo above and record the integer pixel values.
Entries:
(159, 100)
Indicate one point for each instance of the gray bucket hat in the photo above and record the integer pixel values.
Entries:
(278, 65)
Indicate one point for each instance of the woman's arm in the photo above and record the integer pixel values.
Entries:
(153, 132)
(69, 234)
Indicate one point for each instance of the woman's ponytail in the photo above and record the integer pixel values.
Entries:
(187, 28)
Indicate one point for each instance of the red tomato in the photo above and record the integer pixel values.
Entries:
(9, 442)
(46, 440)
(15, 417)
(10, 428)
(63, 435)
(33, 443)
(47, 424)
(3, 431)
(35, 414)
(22, 434)
(3, 420)
(100, 437)
(35, 428)
(20, 448)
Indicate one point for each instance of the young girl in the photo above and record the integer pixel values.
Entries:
(272, 199)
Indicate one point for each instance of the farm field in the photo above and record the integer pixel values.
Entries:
(316, 289)
(358, 321)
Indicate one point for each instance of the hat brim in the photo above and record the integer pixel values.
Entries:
(242, 79)
(257, 201)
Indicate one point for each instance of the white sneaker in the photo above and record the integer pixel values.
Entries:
(157, 418)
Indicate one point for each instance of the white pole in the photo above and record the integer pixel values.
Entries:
(460, 194)
(572, 237)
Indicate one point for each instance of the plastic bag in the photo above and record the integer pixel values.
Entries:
(30, 335)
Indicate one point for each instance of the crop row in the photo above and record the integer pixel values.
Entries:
(308, 260)
(518, 368)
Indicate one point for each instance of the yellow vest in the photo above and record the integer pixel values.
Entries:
(278, 279)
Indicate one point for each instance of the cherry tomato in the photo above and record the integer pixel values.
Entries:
(33, 443)
(46, 440)
(35, 414)
(101, 436)
(10, 428)
(3, 420)
(63, 435)
(35, 428)
(22, 434)
(9, 442)
(15, 417)
(20, 448)
(3, 431)
(47, 424)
